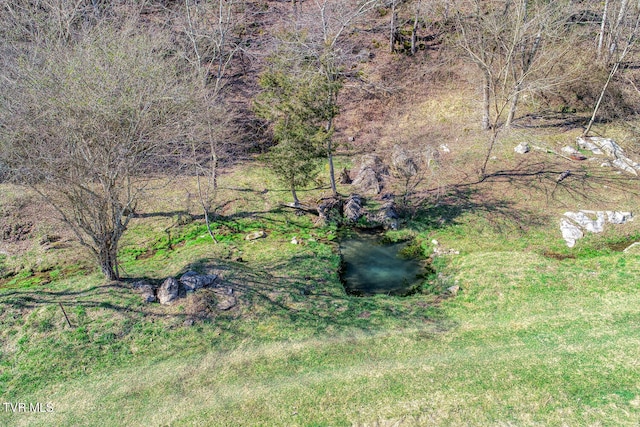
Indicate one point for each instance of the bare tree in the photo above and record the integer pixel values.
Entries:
(83, 123)
(517, 46)
(624, 34)
(328, 24)
(211, 32)
(613, 32)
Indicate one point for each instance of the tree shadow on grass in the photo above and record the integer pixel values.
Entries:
(558, 184)
(302, 301)
(313, 301)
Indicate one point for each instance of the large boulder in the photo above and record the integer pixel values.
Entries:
(618, 217)
(590, 224)
(329, 210)
(353, 209)
(145, 290)
(591, 221)
(609, 147)
(192, 281)
(402, 163)
(388, 215)
(168, 291)
(570, 232)
(373, 162)
(585, 144)
(370, 172)
(368, 182)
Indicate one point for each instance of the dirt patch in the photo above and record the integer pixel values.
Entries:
(558, 256)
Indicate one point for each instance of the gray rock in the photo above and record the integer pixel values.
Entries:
(368, 182)
(192, 281)
(227, 303)
(570, 150)
(453, 290)
(616, 217)
(353, 210)
(329, 210)
(256, 235)
(370, 173)
(609, 147)
(570, 232)
(583, 220)
(145, 290)
(522, 148)
(589, 224)
(626, 165)
(586, 144)
(168, 291)
(372, 162)
(388, 215)
(606, 145)
(402, 164)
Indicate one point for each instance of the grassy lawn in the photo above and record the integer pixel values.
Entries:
(529, 340)
(539, 334)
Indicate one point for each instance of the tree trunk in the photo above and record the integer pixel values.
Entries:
(414, 35)
(393, 30)
(486, 101)
(615, 32)
(296, 202)
(603, 25)
(604, 89)
(108, 262)
(332, 175)
(513, 106)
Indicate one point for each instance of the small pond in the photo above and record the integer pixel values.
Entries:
(370, 266)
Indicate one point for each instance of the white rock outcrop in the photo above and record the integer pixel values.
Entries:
(574, 224)
(608, 147)
(570, 232)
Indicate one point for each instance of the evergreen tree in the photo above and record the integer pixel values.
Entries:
(297, 101)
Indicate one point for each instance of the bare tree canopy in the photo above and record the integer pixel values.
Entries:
(82, 120)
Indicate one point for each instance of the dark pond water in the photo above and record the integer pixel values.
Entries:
(371, 267)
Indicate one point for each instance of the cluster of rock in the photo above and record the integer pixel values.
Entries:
(439, 250)
(171, 288)
(352, 211)
(371, 175)
(371, 178)
(608, 147)
(612, 154)
(574, 224)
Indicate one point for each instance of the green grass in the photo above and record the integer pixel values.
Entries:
(543, 342)
(538, 334)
